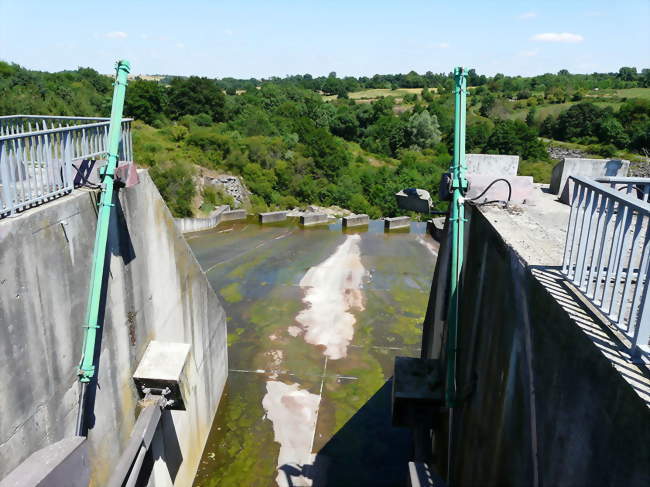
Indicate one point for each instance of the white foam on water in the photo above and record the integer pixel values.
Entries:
(333, 288)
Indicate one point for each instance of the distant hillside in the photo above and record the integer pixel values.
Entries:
(350, 142)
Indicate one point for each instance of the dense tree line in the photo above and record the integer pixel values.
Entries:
(586, 123)
(292, 147)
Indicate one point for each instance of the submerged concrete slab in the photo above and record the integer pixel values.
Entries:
(397, 222)
(355, 220)
(272, 217)
(313, 218)
(231, 215)
(584, 167)
(492, 164)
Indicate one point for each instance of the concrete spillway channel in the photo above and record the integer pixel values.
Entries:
(315, 319)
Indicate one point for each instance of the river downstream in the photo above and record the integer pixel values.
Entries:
(315, 319)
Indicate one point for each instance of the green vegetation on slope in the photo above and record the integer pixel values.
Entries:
(293, 146)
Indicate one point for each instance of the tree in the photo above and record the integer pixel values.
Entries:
(610, 131)
(196, 95)
(423, 130)
(578, 121)
(487, 104)
(627, 74)
(145, 101)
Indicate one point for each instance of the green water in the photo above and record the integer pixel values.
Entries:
(256, 270)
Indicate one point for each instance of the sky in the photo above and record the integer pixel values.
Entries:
(263, 38)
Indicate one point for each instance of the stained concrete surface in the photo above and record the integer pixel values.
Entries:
(155, 290)
(548, 395)
(291, 413)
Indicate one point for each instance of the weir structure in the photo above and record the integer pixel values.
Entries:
(534, 356)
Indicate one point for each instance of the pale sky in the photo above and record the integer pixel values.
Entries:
(262, 38)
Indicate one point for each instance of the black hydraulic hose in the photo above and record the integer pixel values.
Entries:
(489, 186)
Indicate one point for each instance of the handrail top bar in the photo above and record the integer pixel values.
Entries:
(59, 129)
(615, 179)
(635, 203)
(55, 117)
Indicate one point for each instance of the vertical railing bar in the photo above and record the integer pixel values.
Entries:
(612, 255)
(630, 271)
(583, 249)
(600, 236)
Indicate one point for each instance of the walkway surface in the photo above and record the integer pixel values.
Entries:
(315, 319)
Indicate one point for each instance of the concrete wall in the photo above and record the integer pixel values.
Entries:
(540, 403)
(156, 290)
(187, 225)
(585, 167)
(492, 164)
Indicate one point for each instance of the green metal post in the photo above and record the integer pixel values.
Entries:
(87, 367)
(458, 187)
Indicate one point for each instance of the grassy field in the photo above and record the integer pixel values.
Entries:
(379, 92)
(375, 93)
(628, 93)
(544, 111)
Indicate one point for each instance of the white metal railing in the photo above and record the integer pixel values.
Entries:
(38, 154)
(607, 255)
(636, 187)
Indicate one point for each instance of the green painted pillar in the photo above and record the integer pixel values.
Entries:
(86, 366)
(457, 213)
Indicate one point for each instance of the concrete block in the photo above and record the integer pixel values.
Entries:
(65, 462)
(272, 217)
(313, 218)
(418, 390)
(413, 199)
(522, 188)
(355, 220)
(231, 215)
(397, 222)
(435, 227)
(163, 365)
(492, 164)
(584, 167)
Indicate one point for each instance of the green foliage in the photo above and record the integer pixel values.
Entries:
(194, 95)
(423, 130)
(146, 101)
(216, 196)
(176, 185)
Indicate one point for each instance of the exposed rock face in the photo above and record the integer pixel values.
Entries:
(559, 153)
(233, 186)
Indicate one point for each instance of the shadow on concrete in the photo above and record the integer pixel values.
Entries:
(119, 243)
(119, 237)
(366, 451)
(598, 329)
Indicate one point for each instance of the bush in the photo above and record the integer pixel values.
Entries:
(540, 171)
(217, 196)
(176, 185)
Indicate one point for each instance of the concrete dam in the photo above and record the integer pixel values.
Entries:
(505, 343)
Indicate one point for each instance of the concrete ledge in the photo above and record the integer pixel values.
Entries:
(231, 215)
(355, 220)
(273, 216)
(62, 463)
(187, 225)
(313, 219)
(397, 222)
